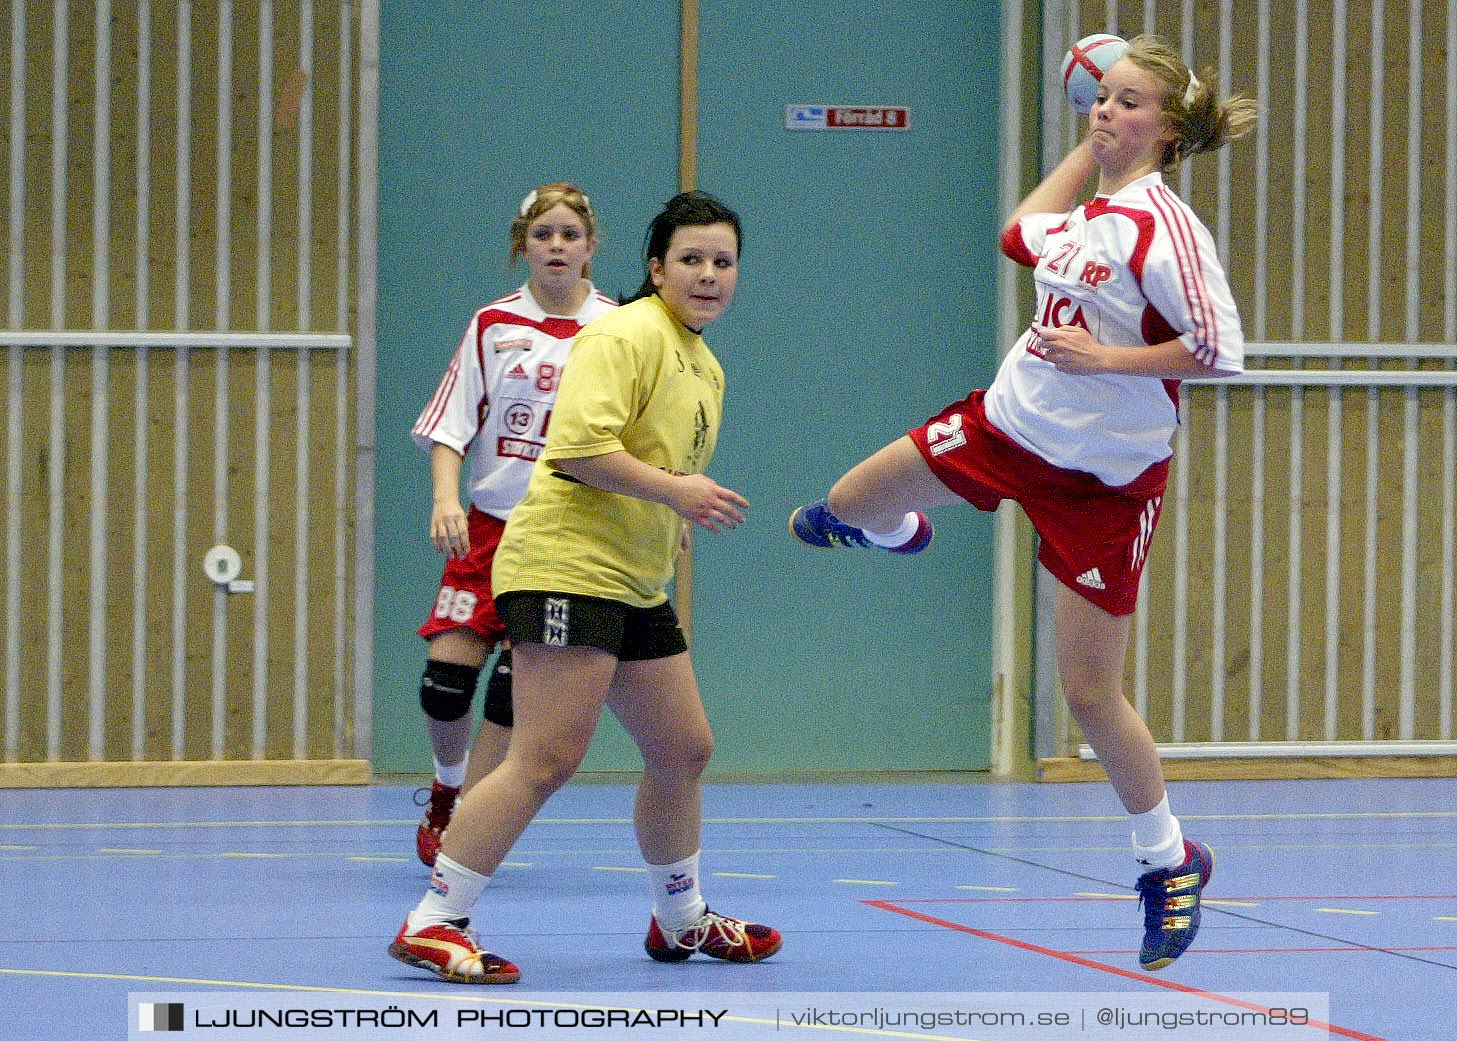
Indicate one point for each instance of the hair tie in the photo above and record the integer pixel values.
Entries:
(1191, 90)
(531, 198)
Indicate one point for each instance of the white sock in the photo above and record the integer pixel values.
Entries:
(899, 537)
(451, 775)
(677, 902)
(1158, 841)
(454, 890)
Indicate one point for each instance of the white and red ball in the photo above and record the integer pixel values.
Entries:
(1083, 67)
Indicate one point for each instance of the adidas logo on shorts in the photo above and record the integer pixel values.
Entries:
(1092, 579)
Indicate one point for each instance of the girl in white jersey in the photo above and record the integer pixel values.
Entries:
(581, 577)
(493, 404)
(1131, 299)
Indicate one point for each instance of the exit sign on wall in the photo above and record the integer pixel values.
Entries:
(846, 117)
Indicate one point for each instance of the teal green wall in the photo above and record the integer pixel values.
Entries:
(866, 302)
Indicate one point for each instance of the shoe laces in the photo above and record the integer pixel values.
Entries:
(837, 530)
(463, 926)
(1154, 893)
(710, 926)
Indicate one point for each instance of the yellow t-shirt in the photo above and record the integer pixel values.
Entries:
(638, 381)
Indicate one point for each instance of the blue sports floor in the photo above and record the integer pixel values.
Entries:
(1346, 888)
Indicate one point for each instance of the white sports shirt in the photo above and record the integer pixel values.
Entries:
(1134, 268)
(498, 392)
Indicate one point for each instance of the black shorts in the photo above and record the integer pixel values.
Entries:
(569, 620)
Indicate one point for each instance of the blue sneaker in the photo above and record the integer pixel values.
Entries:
(1170, 899)
(816, 526)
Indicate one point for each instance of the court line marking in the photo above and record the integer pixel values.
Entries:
(1234, 915)
(1089, 963)
(618, 821)
(1237, 901)
(1348, 948)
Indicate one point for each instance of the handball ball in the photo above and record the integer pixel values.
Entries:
(1083, 67)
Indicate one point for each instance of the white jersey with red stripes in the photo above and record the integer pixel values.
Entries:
(497, 393)
(1134, 268)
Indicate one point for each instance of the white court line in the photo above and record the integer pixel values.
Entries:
(619, 821)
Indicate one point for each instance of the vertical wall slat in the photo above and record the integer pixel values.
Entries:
(60, 131)
(1261, 311)
(141, 553)
(1257, 563)
(1224, 158)
(15, 388)
(1295, 526)
(1448, 580)
(1259, 323)
(304, 189)
(1218, 563)
(1449, 396)
(343, 452)
(1406, 712)
(1179, 682)
(1406, 726)
(1368, 596)
(1375, 277)
(1335, 475)
(1259, 317)
(56, 458)
(1335, 419)
(1187, 44)
(1299, 157)
(362, 463)
(1376, 159)
(182, 405)
(263, 392)
(100, 405)
(1299, 207)
(222, 273)
(15, 263)
(1449, 213)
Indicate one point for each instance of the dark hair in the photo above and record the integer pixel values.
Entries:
(686, 209)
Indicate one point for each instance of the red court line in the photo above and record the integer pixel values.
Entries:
(1129, 896)
(1353, 948)
(1088, 963)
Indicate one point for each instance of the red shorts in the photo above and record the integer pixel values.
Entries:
(1094, 538)
(465, 600)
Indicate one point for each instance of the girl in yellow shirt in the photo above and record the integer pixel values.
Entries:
(580, 580)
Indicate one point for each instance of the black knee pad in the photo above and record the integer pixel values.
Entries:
(497, 708)
(446, 689)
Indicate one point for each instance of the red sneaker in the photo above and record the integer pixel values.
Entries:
(439, 805)
(715, 935)
(450, 951)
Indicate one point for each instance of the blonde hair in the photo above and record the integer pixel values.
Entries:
(541, 199)
(1200, 120)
